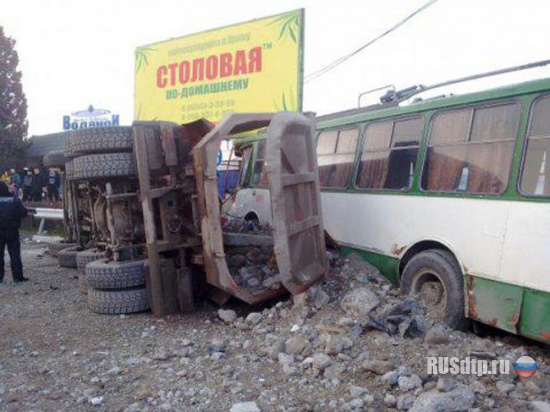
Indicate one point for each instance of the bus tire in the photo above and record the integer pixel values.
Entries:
(99, 140)
(435, 277)
(106, 165)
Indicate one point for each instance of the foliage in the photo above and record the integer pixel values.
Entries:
(13, 106)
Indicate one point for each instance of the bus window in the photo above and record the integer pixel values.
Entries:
(246, 154)
(389, 154)
(335, 157)
(471, 150)
(535, 178)
(259, 173)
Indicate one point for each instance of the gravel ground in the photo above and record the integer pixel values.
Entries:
(314, 354)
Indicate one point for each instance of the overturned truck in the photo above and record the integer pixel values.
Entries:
(143, 206)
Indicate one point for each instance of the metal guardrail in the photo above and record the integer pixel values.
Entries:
(44, 214)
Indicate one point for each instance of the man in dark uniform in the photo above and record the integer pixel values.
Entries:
(11, 213)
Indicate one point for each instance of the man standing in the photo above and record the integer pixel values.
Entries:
(11, 213)
(15, 182)
(38, 186)
(53, 185)
(27, 184)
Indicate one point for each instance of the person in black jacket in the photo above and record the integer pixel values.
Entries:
(11, 213)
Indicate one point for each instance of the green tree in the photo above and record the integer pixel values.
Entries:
(13, 106)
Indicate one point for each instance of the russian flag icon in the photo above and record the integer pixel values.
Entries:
(525, 367)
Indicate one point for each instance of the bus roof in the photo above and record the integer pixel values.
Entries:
(389, 110)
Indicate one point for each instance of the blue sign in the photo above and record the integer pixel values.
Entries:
(90, 118)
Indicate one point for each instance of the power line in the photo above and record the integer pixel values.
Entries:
(342, 59)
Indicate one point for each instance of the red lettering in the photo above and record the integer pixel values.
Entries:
(226, 68)
(240, 63)
(161, 77)
(173, 67)
(212, 67)
(184, 72)
(198, 70)
(255, 60)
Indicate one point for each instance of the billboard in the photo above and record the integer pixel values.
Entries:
(256, 66)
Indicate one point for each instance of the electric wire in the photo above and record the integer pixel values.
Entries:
(342, 59)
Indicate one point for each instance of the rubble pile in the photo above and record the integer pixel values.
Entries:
(252, 267)
(350, 343)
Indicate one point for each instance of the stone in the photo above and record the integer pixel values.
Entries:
(390, 377)
(97, 401)
(405, 402)
(532, 388)
(299, 301)
(237, 261)
(285, 359)
(504, 387)
(437, 335)
(461, 398)
(379, 367)
(321, 361)
(321, 299)
(334, 371)
(409, 383)
(356, 404)
(540, 406)
(296, 345)
(244, 407)
(390, 400)
(357, 391)
(445, 384)
(359, 302)
(254, 318)
(277, 347)
(228, 316)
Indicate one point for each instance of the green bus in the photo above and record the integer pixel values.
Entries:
(449, 198)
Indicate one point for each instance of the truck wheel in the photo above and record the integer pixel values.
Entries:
(435, 278)
(103, 274)
(67, 257)
(54, 158)
(55, 247)
(116, 302)
(104, 165)
(82, 259)
(99, 140)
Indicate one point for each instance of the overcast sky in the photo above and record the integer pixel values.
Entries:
(74, 53)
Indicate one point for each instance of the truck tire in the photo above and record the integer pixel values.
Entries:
(67, 257)
(55, 247)
(104, 165)
(104, 275)
(55, 158)
(82, 259)
(99, 140)
(435, 277)
(116, 302)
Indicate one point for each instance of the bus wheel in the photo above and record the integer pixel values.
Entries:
(434, 277)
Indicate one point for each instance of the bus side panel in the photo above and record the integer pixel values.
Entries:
(494, 303)
(525, 259)
(473, 229)
(535, 315)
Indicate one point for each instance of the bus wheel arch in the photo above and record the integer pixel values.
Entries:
(435, 277)
(252, 217)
